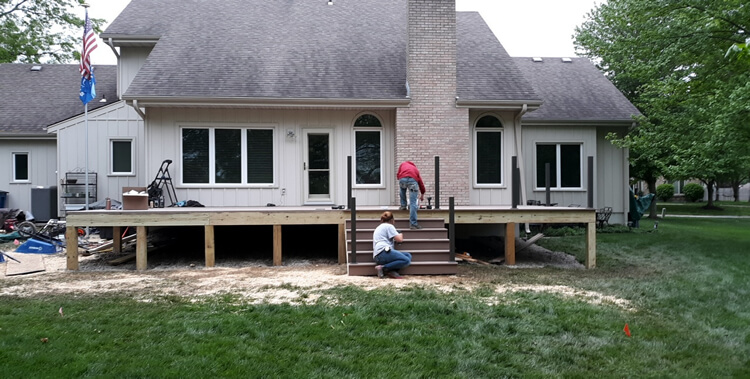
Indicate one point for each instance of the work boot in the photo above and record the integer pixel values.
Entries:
(381, 275)
(415, 227)
(402, 208)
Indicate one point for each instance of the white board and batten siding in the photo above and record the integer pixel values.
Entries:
(612, 168)
(163, 139)
(493, 194)
(41, 169)
(131, 61)
(116, 121)
(533, 135)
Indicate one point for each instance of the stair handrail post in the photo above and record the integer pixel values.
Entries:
(353, 205)
(437, 182)
(349, 179)
(452, 229)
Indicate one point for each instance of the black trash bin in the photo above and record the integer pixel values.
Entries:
(44, 203)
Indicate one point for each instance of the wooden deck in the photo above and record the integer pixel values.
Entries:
(210, 217)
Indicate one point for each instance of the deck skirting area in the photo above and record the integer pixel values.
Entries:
(210, 217)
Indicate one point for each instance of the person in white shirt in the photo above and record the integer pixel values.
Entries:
(388, 259)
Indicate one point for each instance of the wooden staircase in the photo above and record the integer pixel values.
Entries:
(429, 247)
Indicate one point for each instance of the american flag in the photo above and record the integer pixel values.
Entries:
(89, 44)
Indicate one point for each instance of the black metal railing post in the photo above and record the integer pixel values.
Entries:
(452, 229)
(353, 208)
(349, 179)
(437, 182)
(547, 183)
(590, 195)
(514, 182)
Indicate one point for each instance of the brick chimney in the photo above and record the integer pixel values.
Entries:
(432, 125)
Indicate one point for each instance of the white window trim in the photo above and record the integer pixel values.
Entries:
(243, 146)
(112, 157)
(558, 167)
(354, 156)
(475, 154)
(28, 167)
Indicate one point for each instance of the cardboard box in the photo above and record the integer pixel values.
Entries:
(134, 202)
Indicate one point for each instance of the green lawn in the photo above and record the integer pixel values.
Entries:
(686, 285)
(728, 208)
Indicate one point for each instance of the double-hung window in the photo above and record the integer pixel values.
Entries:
(368, 147)
(121, 157)
(488, 157)
(228, 156)
(565, 164)
(21, 167)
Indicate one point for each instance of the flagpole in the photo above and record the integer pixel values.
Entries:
(86, 141)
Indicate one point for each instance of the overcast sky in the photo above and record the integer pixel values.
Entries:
(529, 28)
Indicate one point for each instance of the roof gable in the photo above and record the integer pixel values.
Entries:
(33, 100)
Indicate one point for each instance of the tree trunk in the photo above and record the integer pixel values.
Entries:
(651, 183)
(710, 188)
(736, 191)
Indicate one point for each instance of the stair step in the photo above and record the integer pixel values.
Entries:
(401, 223)
(408, 233)
(416, 255)
(415, 268)
(407, 245)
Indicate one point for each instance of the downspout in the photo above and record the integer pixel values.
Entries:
(112, 46)
(134, 104)
(519, 154)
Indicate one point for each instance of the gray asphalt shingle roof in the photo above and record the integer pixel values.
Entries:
(299, 49)
(33, 100)
(574, 91)
(485, 70)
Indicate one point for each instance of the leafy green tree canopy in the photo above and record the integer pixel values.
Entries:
(669, 57)
(41, 31)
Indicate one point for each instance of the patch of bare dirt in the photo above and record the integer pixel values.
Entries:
(257, 281)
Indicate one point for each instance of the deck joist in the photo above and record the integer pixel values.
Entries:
(210, 217)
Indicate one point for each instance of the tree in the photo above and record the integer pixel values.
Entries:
(669, 58)
(41, 31)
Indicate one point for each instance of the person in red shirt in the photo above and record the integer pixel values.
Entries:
(409, 179)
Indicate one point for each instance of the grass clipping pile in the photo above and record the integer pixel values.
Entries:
(298, 281)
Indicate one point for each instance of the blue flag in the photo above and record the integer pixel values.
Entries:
(88, 88)
(88, 92)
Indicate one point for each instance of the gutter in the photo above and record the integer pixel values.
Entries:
(171, 101)
(112, 46)
(135, 106)
(519, 154)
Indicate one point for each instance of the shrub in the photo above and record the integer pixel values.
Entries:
(664, 192)
(693, 192)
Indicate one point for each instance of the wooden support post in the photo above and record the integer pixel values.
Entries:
(591, 245)
(210, 246)
(71, 247)
(116, 240)
(141, 248)
(510, 243)
(277, 245)
(342, 243)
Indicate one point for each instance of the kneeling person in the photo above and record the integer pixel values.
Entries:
(388, 259)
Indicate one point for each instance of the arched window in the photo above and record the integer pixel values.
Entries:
(488, 152)
(368, 150)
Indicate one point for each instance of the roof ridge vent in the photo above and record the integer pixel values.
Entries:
(537, 59)
(566, 60)
(36, 68)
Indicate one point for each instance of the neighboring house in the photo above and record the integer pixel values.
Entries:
(33, 97)
(260, 102)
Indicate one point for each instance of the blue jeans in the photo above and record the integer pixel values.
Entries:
(393, 260)
(413, 187)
